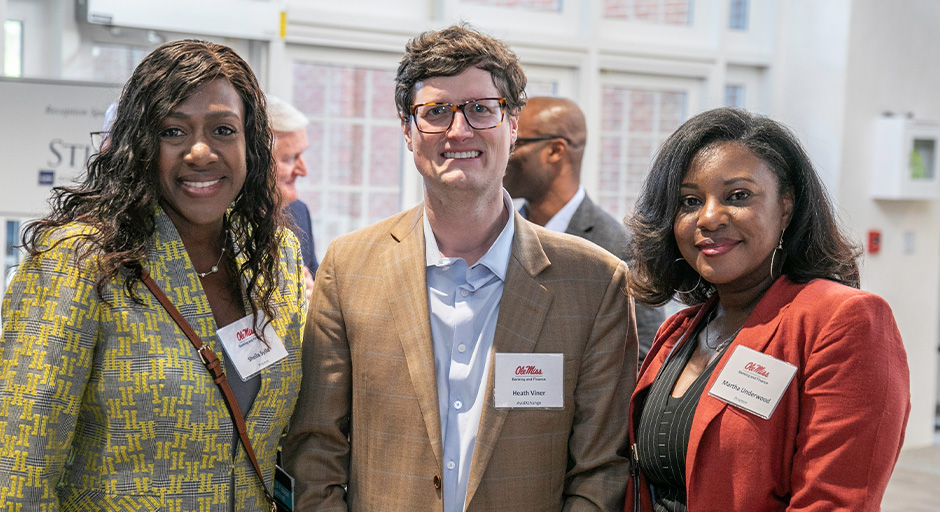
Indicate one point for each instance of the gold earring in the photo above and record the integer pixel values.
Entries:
(774, 255)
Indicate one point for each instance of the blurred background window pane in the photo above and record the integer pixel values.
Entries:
(541, 88)
(737, 15)
(734, 96)
(529, 5)
(354, 162)
(634, 122)
(665, 12)
(114, 63)
(12, 48)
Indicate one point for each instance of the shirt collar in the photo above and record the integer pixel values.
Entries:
(559, 222)
(497, 256)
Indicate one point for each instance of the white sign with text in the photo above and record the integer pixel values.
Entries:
(753, 381)
(246, 351)
(534, 381)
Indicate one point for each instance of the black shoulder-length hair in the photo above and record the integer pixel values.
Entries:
(119, 193)
(814, 246)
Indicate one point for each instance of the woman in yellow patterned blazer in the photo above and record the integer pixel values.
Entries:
(104, 402)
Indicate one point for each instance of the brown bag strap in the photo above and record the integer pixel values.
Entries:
(215, 370)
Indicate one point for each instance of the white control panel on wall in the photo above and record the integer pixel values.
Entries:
(906, 159)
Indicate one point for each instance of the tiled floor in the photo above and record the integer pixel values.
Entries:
(915, 484)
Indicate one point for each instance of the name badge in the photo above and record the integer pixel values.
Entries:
(246, 351)
(533, 381)
(753, 381)
(283, 489)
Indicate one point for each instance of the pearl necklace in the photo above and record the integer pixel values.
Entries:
(215, 268)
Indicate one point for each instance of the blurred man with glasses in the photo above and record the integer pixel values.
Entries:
(545, 170)
(458, 357)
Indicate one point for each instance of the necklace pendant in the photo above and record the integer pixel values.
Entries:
(215, 268)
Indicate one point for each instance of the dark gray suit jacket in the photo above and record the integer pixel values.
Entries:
(594, 224)
(303, 230)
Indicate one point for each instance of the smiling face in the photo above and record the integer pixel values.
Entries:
(289, 150)
(461, 159)
(730, 217)
(202, 157)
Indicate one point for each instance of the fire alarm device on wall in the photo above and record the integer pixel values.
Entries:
(874, 241)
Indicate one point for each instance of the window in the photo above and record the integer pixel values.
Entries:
(529, 5)
(634, 122)
(535, 88)
(355, 154)
(734, 96)
(668, 12)
(737, 15)
(115, 63)
(13, 48)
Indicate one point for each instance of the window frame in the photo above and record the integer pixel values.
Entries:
(692, 86)
(411, 189)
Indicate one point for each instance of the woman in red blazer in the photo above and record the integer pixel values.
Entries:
(783, 386)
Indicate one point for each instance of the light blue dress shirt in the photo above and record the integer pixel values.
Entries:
(464, 305)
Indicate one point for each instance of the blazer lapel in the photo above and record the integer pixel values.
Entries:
(522, 310)
(758, 331)
(171, 269)
(405, 278)
(582, 221)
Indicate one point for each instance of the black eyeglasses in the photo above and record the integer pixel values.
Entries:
(526, 140)
(482, 114)
(97, 139)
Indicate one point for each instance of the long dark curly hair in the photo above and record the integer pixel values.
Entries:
(119, 193)
(814, 246)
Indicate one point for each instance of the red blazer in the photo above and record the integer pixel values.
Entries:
(833, 440)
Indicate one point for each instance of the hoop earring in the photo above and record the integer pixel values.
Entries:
(773, 255)
(697, 283)
(685, 292)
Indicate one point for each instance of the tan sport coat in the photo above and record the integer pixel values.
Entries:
(366, 433)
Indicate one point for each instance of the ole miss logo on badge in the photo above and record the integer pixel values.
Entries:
(528, 370)
(758, 369)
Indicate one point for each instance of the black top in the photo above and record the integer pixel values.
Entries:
(664, 428)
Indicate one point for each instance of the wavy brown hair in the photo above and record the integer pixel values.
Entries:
(814, 246)
(120, 191)
(449, 52)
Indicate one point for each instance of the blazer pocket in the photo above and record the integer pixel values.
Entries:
(94, 500)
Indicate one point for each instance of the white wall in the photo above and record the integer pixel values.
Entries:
(809, 77)
(894, 65)
(838, 65)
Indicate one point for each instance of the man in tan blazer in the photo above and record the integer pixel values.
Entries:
(458, 357)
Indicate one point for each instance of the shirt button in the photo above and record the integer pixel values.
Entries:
(451, 465)
(464, 293)
(461, 348)
(458, 404)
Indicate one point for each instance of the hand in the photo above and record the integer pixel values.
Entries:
(308, 284)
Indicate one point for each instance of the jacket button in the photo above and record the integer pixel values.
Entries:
(437, 482)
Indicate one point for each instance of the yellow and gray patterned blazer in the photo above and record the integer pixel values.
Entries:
(108, 406)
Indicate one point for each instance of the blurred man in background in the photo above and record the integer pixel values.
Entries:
(290, 142)
(545, 170)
